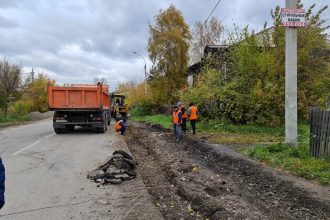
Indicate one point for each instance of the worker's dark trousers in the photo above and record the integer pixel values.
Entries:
(193, 125)
(124, 116)
(184, 125)
(122, 130)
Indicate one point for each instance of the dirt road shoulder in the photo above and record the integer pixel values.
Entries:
(197, 179)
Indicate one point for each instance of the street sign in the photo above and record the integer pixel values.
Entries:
(293, 17)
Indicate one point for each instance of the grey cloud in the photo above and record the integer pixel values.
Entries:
(6, 23)
(8, 3)
(75, 41)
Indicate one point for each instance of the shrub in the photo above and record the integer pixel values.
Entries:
(21, 107)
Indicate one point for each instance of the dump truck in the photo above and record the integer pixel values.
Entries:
(118, 107)
(84, 105)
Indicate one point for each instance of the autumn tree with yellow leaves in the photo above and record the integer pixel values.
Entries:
(168, 48)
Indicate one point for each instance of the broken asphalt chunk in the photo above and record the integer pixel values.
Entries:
(116, 169)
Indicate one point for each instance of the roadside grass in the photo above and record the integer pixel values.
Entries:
(220, 132)
(296, 160)
(163, 120)
(13, 119)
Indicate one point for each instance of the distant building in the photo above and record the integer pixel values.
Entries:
(217, 57)
(214, 56)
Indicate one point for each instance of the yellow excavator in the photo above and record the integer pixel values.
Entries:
(119, 109)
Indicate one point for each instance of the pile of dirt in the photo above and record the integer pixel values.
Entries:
(118, 168)
(197, 180)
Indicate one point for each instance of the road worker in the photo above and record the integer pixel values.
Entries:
(120, 126)
(177, 120)
(184, 116)
(193, 115)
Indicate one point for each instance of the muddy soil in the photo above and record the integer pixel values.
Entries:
(197, 180)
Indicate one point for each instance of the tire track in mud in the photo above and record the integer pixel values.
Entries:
(193, 180)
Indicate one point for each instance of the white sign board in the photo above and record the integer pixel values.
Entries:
(293, 17)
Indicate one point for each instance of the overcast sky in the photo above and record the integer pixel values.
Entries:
(74, 41)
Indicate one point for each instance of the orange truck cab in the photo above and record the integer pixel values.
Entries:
(84, 105)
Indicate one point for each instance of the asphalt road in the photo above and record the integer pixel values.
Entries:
(46, 176)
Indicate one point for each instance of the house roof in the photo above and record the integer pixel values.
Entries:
(214, 49)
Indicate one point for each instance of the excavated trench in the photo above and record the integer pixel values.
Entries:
(197, 180)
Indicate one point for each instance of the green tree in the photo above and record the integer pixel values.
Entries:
(35, 93)
(168, 47)
(257, 83)
(259, 62)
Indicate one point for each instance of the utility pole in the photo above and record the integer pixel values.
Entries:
(145, 72)
(291, 133)
(145, 78)
(32, 75)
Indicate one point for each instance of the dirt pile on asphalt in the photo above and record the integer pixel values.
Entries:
(118, 168)
(196, 180)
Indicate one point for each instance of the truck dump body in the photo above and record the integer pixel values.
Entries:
(79, 105)
(78, 97)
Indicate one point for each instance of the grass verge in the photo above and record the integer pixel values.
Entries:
(13, 119)
(163, 120)
(295, 160)
(220, 132)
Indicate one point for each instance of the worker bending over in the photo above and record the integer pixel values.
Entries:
(120, 126)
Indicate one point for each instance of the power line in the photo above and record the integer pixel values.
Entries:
(212, 11)
(209, 16)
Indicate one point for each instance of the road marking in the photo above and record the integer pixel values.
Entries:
(48, 136)
(25, 148)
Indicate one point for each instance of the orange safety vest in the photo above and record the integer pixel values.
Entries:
(185, 114)
(193, 113)
(176, 117)
(118, 126)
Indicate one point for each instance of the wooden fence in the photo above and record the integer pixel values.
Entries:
(319, 132)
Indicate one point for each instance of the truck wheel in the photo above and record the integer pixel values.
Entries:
(58, 130)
